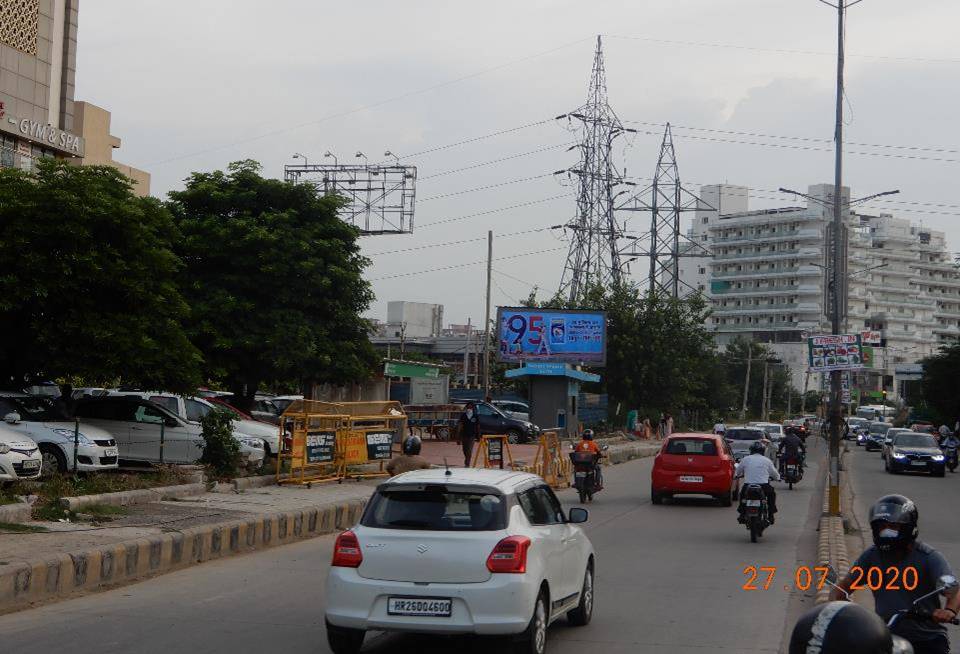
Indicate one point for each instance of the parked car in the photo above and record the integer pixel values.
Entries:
(19, 456)
(514, 409)
(192, 409)
(461, 551)
(741, 438)
(914, 452)
(888, 440)
(138, 424)
(40, 419)
(284, 401)
(495, 421)
(876, 432)
(693, 464)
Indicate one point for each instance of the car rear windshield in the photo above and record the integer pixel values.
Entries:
(879, 428)
(744, 434)
(692, 446)
(915, 440)
(772, 429)
(435, 508)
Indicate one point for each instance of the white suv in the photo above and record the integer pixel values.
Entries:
(460, 551)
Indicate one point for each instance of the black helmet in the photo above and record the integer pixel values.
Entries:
(588, 434)
(757, 447)
(894, 510)
(841, 628)
(411, 446)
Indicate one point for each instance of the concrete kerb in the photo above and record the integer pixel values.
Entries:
(131, 497)
(19, 512)
(832, 543)
(100, 568)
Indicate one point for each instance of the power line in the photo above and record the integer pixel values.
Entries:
(494, 161)
(484, 188)
(491, 211)
(474, 139)
(460, 242)
(465, 265)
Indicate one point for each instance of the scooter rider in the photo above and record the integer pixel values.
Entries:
(410, 459)
(587, 444)
(792, 446)
(844, 628)
(756, 468)
(893, 521)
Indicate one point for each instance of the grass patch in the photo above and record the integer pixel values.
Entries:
(51, 490)
(103, 510)
(17, 528)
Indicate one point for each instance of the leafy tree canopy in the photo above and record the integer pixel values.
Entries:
(88, 286)
(937, 384)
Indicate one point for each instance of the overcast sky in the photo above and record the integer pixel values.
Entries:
(194, 85)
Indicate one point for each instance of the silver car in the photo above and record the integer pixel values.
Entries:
(741, 438)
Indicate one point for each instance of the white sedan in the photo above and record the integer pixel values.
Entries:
(19, 456)
(462, 551)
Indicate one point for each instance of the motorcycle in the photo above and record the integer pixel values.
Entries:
(951, 455)
(792, 469)
(585, 478)
(754, 510)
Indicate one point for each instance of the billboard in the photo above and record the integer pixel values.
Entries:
(528, 335)
(837, 352)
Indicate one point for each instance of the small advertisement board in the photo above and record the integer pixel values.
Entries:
(495, 449)
(379, 445)
(835, 352)
(321, 446)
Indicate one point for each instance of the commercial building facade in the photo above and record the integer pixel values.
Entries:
(765, 280)
(38, 114)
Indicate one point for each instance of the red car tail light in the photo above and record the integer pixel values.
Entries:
(510, 555)
(346, 551)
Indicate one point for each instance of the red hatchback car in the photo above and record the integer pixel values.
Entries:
(693, 464)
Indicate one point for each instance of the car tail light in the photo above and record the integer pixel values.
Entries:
(510, 555)
(346, 551)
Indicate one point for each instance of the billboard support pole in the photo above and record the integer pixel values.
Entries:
(486, 320)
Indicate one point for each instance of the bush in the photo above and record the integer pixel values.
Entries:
(221, 451)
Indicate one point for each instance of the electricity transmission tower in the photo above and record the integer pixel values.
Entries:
(665, 244)
(594, 254)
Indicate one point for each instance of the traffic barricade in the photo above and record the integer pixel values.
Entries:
(367, 435)
(308, 453)
(550, 463)
(493, 451)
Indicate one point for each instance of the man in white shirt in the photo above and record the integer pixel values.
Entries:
(720, 429)
(756, 468)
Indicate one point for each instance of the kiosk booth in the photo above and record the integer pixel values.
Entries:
(554, 388)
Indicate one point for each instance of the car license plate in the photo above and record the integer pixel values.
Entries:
(31, 464)
(110, 451)
(434, 607)
(791, 468)
(918, 463)
(752, 502)
(579, 475)
(691, 479)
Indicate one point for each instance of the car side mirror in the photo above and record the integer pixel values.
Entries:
(578, 516)
(12, 418)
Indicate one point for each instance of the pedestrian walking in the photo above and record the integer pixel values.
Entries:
(469, 431)
(720, 428)
(669, 421)
(647, 428)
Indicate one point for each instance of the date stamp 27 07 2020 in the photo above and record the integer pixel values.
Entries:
(806, 577)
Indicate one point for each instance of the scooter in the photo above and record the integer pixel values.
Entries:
(754, 510)
(951, 455)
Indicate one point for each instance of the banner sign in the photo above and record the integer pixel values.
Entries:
(870, 337)
(495, 449)
(320, 446)
(528, 335)
(840, 352)
(379, 444)
(400, 369)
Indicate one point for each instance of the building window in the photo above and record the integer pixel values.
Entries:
(703, 270)
(704, 220)
(8, 148)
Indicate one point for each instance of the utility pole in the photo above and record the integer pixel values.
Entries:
(486, 322)
(765, 401)
(403, 339)
(746, 382)
(466, 357)
(789, 396)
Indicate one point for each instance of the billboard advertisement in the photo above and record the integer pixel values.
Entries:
(528, 335)
(837, 352)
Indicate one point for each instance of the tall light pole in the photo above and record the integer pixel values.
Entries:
(486, 321)
(297, 155)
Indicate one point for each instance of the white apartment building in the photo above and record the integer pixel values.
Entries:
(765, 279)
(413, 319)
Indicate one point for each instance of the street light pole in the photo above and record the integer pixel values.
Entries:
(486, 322)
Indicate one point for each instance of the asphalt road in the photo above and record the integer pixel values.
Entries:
(935, 499)
(669, 580)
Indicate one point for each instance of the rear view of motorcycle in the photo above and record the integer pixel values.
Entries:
(792, 471)
(754, 510)
(585, 474)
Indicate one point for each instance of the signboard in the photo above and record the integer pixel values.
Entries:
(401, 369)
(495, 449)
(42, 133)
(529, 335)
(321, 446)
(909, 372)
(868, 356)
(354, 448)
(839, 352)
(428, 390)
(870, 337)
(379, 444)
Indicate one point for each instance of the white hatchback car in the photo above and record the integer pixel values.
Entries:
(19, 456)
(461, 551)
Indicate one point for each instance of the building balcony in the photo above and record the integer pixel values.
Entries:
(765, 256)
(753, 309)
(779, 237)
(765, 292)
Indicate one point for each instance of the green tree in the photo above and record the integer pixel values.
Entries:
(274, 281)
(88, 281)
(939, 393)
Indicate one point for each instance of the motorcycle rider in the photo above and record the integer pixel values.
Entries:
(720, 429)
(949, 442)
(791, 447)
(844, 628)
(893, 521)
(409, 460)
(587, 444)
(757, 468)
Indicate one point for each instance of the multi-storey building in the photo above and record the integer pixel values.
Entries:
(765, 280)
